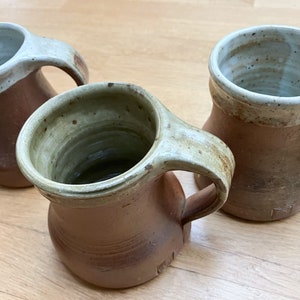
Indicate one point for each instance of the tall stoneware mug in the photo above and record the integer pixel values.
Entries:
(255, 87)
(23, 86)
(102, 153)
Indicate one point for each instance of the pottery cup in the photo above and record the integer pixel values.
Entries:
(23, 86)
(255, 88)
(103, 154)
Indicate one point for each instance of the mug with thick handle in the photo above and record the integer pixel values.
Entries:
(255, 87)
(23, 86)
(103, 154)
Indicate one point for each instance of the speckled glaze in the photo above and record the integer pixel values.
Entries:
(103, 154)
(255, 87)
(23, 87)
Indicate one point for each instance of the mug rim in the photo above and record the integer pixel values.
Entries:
(244, 94)
(136, 172)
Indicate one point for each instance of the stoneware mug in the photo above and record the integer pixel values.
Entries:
(23, 87)
(103, 154)
(255, 87)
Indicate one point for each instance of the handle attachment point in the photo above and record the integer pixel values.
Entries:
(190, 149)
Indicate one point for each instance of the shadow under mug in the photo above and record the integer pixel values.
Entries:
(102, 154)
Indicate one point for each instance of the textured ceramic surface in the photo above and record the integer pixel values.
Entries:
(255, 87)
(23, 87)
(103, 155)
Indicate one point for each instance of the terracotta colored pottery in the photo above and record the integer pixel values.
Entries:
(255, 87)
(102, 154)
(23, 87)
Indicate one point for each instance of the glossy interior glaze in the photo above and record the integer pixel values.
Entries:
(93, 142)
(11, 41)
(263, 61)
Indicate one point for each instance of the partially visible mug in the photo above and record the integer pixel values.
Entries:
(23, 86)
(255, 87)
(103, 154)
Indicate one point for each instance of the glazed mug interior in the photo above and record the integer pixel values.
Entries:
(95, 140)
(11, 41)
(264, 60)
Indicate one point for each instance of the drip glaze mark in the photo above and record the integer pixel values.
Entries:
(79, 64)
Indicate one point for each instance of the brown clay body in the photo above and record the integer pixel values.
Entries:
(266, 184)
(123, 243)
(23, 88)
(16, 104)
(255, 88)
(103, 155)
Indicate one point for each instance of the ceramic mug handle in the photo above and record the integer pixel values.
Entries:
(56, 53)
(37, 52)
(190, 149)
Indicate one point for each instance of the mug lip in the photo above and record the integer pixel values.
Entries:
(246, 95)
(81, 191)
